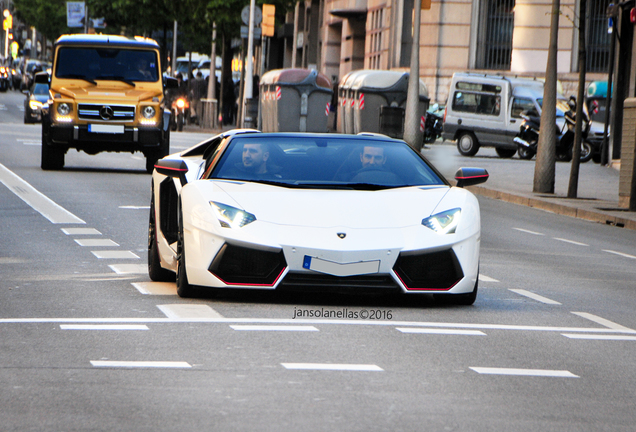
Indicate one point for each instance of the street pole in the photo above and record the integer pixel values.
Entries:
(544, 168)
(249, 64)
(605, 159)
(212, 81)
(174, 48)
(411, 114)
(578, 129)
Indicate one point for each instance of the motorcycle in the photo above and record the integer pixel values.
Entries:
(433, 124)
(4, 78)
(180, 110)
(528, 137)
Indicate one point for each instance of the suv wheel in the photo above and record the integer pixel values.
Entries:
(467, 144)
(505, 152)
(52, 158)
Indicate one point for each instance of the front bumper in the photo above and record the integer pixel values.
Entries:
(132, 139)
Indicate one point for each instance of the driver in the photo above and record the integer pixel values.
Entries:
(254, 163)
(372, 157)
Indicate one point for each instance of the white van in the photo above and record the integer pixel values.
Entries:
(485, 110)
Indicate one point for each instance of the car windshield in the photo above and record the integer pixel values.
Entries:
(41, 89)
(116, 64)
(324, 162)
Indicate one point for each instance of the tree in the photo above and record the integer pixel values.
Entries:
(47, 16)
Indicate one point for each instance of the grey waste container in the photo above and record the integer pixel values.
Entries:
(342, 102)
(372, 90)
(295, 100)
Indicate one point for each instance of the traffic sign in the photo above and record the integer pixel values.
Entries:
(245, 15)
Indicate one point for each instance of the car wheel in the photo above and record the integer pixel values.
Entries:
(52, 158)
(459, 299)
(505, 152)
(155, 271)
(525, 153)
(467, 144)
(184, 289)
(586, 151)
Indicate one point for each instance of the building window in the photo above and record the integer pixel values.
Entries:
(376, 27)
(496, 25)
(598, 40)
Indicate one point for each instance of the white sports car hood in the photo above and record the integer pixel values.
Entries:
(390, 208)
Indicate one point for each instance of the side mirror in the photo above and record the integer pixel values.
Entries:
(172, 168)
(470, 176)
(170, 83)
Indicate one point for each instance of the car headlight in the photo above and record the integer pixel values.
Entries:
(34, 105)
(444, 222)
(148, 112)
(231, 217)
(63, 109)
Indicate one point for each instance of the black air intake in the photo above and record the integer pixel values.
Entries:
(429, 271)
(244, 266)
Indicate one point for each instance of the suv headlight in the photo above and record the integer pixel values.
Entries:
(148, 112)
(63, 109)
(444, 222)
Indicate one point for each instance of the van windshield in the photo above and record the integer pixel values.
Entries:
(115, 64)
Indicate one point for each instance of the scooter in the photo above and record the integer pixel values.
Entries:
(180, 110)
(528, 137)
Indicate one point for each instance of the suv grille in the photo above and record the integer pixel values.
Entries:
(106, 112)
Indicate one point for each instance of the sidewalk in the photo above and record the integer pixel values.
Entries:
(511, 180)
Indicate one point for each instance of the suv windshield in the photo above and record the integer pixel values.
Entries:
(117, 64)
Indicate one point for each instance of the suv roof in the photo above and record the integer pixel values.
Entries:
(108, 40)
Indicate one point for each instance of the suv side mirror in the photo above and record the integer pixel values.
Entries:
(170, 83)
(470, 176)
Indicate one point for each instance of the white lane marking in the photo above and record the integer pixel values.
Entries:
(570, 241)
(189, 311)
(96, 242)
(3, 107)
(601, 321)
(31, 142)
(129, 268)
(80, 231)
(115, 255)
(103, 327)
(140, 364)
(129, 207)
(534, 296)
(442, 331)
(296, 321)
(273, 328)
(36, 200)
(528, 231)
(620, 254)
(483, 278)
(156, 288)
(524, 372)
(333, 367)
(599, 337)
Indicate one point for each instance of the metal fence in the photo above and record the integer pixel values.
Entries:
(500, 19)
(598, 39)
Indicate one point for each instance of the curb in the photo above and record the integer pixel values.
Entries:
(555, 207)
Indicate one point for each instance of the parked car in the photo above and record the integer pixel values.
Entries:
(485, 110)
(255, 210)
(36, 96)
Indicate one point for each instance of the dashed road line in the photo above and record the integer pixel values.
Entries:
(534, 296)
(441, 331)
(528, 231)
(130, 207)
(129, 268)
(189, 311)
(156, 288)
(333, 367)
(80, 231)
(115, 255)
(602, 321)
(103, 327)
(524, 372)
(620, 254)
(570, 241)
(141, 364)
(484, 278)
(288, 328)
(599, 337)
(96, 242)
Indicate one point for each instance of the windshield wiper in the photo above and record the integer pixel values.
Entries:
(78, 76)
(116, 78)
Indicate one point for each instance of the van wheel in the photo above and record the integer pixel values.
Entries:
(505, 152)
(467, 144)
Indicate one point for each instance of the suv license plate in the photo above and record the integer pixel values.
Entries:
(112, 129)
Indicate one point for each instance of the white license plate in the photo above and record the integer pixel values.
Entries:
(337, 269)
(100, 128)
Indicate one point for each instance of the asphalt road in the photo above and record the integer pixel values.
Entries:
(88, 343)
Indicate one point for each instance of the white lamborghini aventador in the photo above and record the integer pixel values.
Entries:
(246, 209)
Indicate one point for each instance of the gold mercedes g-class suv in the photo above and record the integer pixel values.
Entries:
(106, 94)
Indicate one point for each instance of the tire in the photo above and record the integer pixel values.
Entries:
(525, 153)
(180, 121)
(587, 151)
(596, 158)
(467, 144)
(459, 299)
(155, 271)
(52, 158)
(184, 289)
(505, 153)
